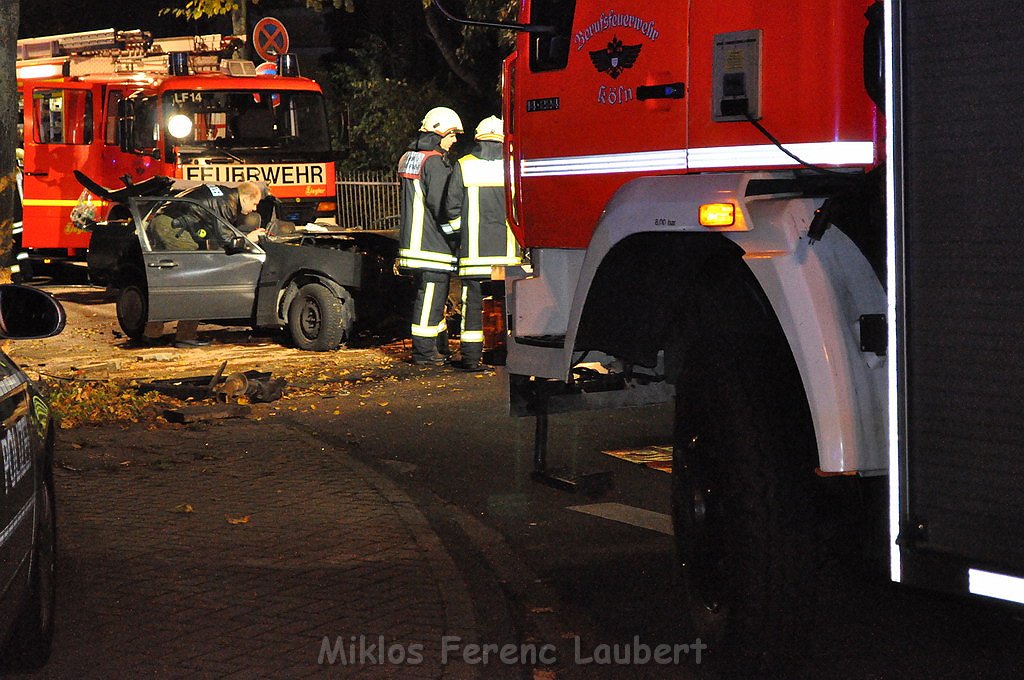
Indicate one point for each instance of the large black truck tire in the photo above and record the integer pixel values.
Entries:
(743, 486)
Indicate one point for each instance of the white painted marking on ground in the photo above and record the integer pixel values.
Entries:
(628, 514)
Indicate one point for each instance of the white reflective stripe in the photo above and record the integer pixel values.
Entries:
(474, 271)
(490, 260)
(831, 153)
(472, 336)
(9, 530)
(425, 331)
(990, 584)
(462, 324)
(674, 159)
(416, 235)
(895, 349)
(428, 299)
(409, 263)
(448, 229)
(480, 173)
(473, 226)
(430, 256)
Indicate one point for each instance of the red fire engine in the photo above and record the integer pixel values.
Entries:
(718, 212)
(121, 106)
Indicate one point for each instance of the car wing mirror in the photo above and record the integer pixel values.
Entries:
(237, 244)
(27, 313)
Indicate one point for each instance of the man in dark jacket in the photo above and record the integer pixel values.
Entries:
(475, 204)
(423, 249)
(180, 226)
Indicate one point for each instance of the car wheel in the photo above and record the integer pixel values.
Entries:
(317, 320)
(33, 637)
(132, 311)
(741, 505)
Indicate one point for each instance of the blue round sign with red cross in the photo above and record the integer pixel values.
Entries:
(269, 38)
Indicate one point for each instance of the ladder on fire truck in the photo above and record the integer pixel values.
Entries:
(110, 51)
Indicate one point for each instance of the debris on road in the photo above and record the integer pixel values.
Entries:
(194, 414)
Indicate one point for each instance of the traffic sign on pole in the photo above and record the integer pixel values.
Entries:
(269, 38)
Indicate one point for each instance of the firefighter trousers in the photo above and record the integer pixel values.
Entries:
(471, 338)
(429, 332)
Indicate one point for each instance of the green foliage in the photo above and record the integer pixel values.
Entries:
(199, 9)
(383, 112)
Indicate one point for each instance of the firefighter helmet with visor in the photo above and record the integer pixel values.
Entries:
(490, 129)
(441, 121)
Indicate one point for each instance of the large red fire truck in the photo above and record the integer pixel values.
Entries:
(800, 220)
(122, 106)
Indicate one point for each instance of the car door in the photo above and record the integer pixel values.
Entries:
(212, 282)
(17, 486)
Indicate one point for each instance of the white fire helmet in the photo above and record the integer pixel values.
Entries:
(441, 121)
(491, 128)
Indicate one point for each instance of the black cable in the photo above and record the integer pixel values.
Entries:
(776, 142)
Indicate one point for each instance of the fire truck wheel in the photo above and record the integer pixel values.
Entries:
(317, 320)
(743, 467)
(132, 311)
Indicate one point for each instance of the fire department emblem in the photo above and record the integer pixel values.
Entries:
(616, 57)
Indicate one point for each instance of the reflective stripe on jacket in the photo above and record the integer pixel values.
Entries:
(476, 205)
(423, 174)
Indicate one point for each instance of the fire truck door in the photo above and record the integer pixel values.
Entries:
(594, 105)
(60, 135)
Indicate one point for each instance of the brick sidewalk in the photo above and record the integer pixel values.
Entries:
(330, 549)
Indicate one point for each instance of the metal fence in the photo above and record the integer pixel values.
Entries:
(368, 200)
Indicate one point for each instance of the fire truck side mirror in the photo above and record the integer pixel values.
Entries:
(126, 124)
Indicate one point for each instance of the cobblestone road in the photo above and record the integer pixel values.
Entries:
(234, 550)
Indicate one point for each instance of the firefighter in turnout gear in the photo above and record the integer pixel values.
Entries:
(475, 204)
(423, 173)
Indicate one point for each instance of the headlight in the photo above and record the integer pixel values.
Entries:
(179, 126)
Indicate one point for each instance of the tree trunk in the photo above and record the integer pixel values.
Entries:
(239, 19)
(9, 138)
(448, 52)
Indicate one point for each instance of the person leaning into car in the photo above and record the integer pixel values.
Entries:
(179, 226)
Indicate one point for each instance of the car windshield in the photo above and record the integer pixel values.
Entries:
(268, 120)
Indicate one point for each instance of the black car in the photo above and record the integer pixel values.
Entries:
(28, 528)
(308, 280)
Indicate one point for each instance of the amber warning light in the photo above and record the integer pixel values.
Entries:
(717, 215)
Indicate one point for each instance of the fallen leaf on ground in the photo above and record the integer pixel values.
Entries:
(183, 508)
(238, 520)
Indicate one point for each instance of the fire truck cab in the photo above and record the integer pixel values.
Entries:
(122, 106)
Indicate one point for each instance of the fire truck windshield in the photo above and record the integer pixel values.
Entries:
(288, 122)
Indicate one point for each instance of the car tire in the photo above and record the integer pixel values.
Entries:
(132, 311)
(742, 488)
(32, 640)
(318, 321)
